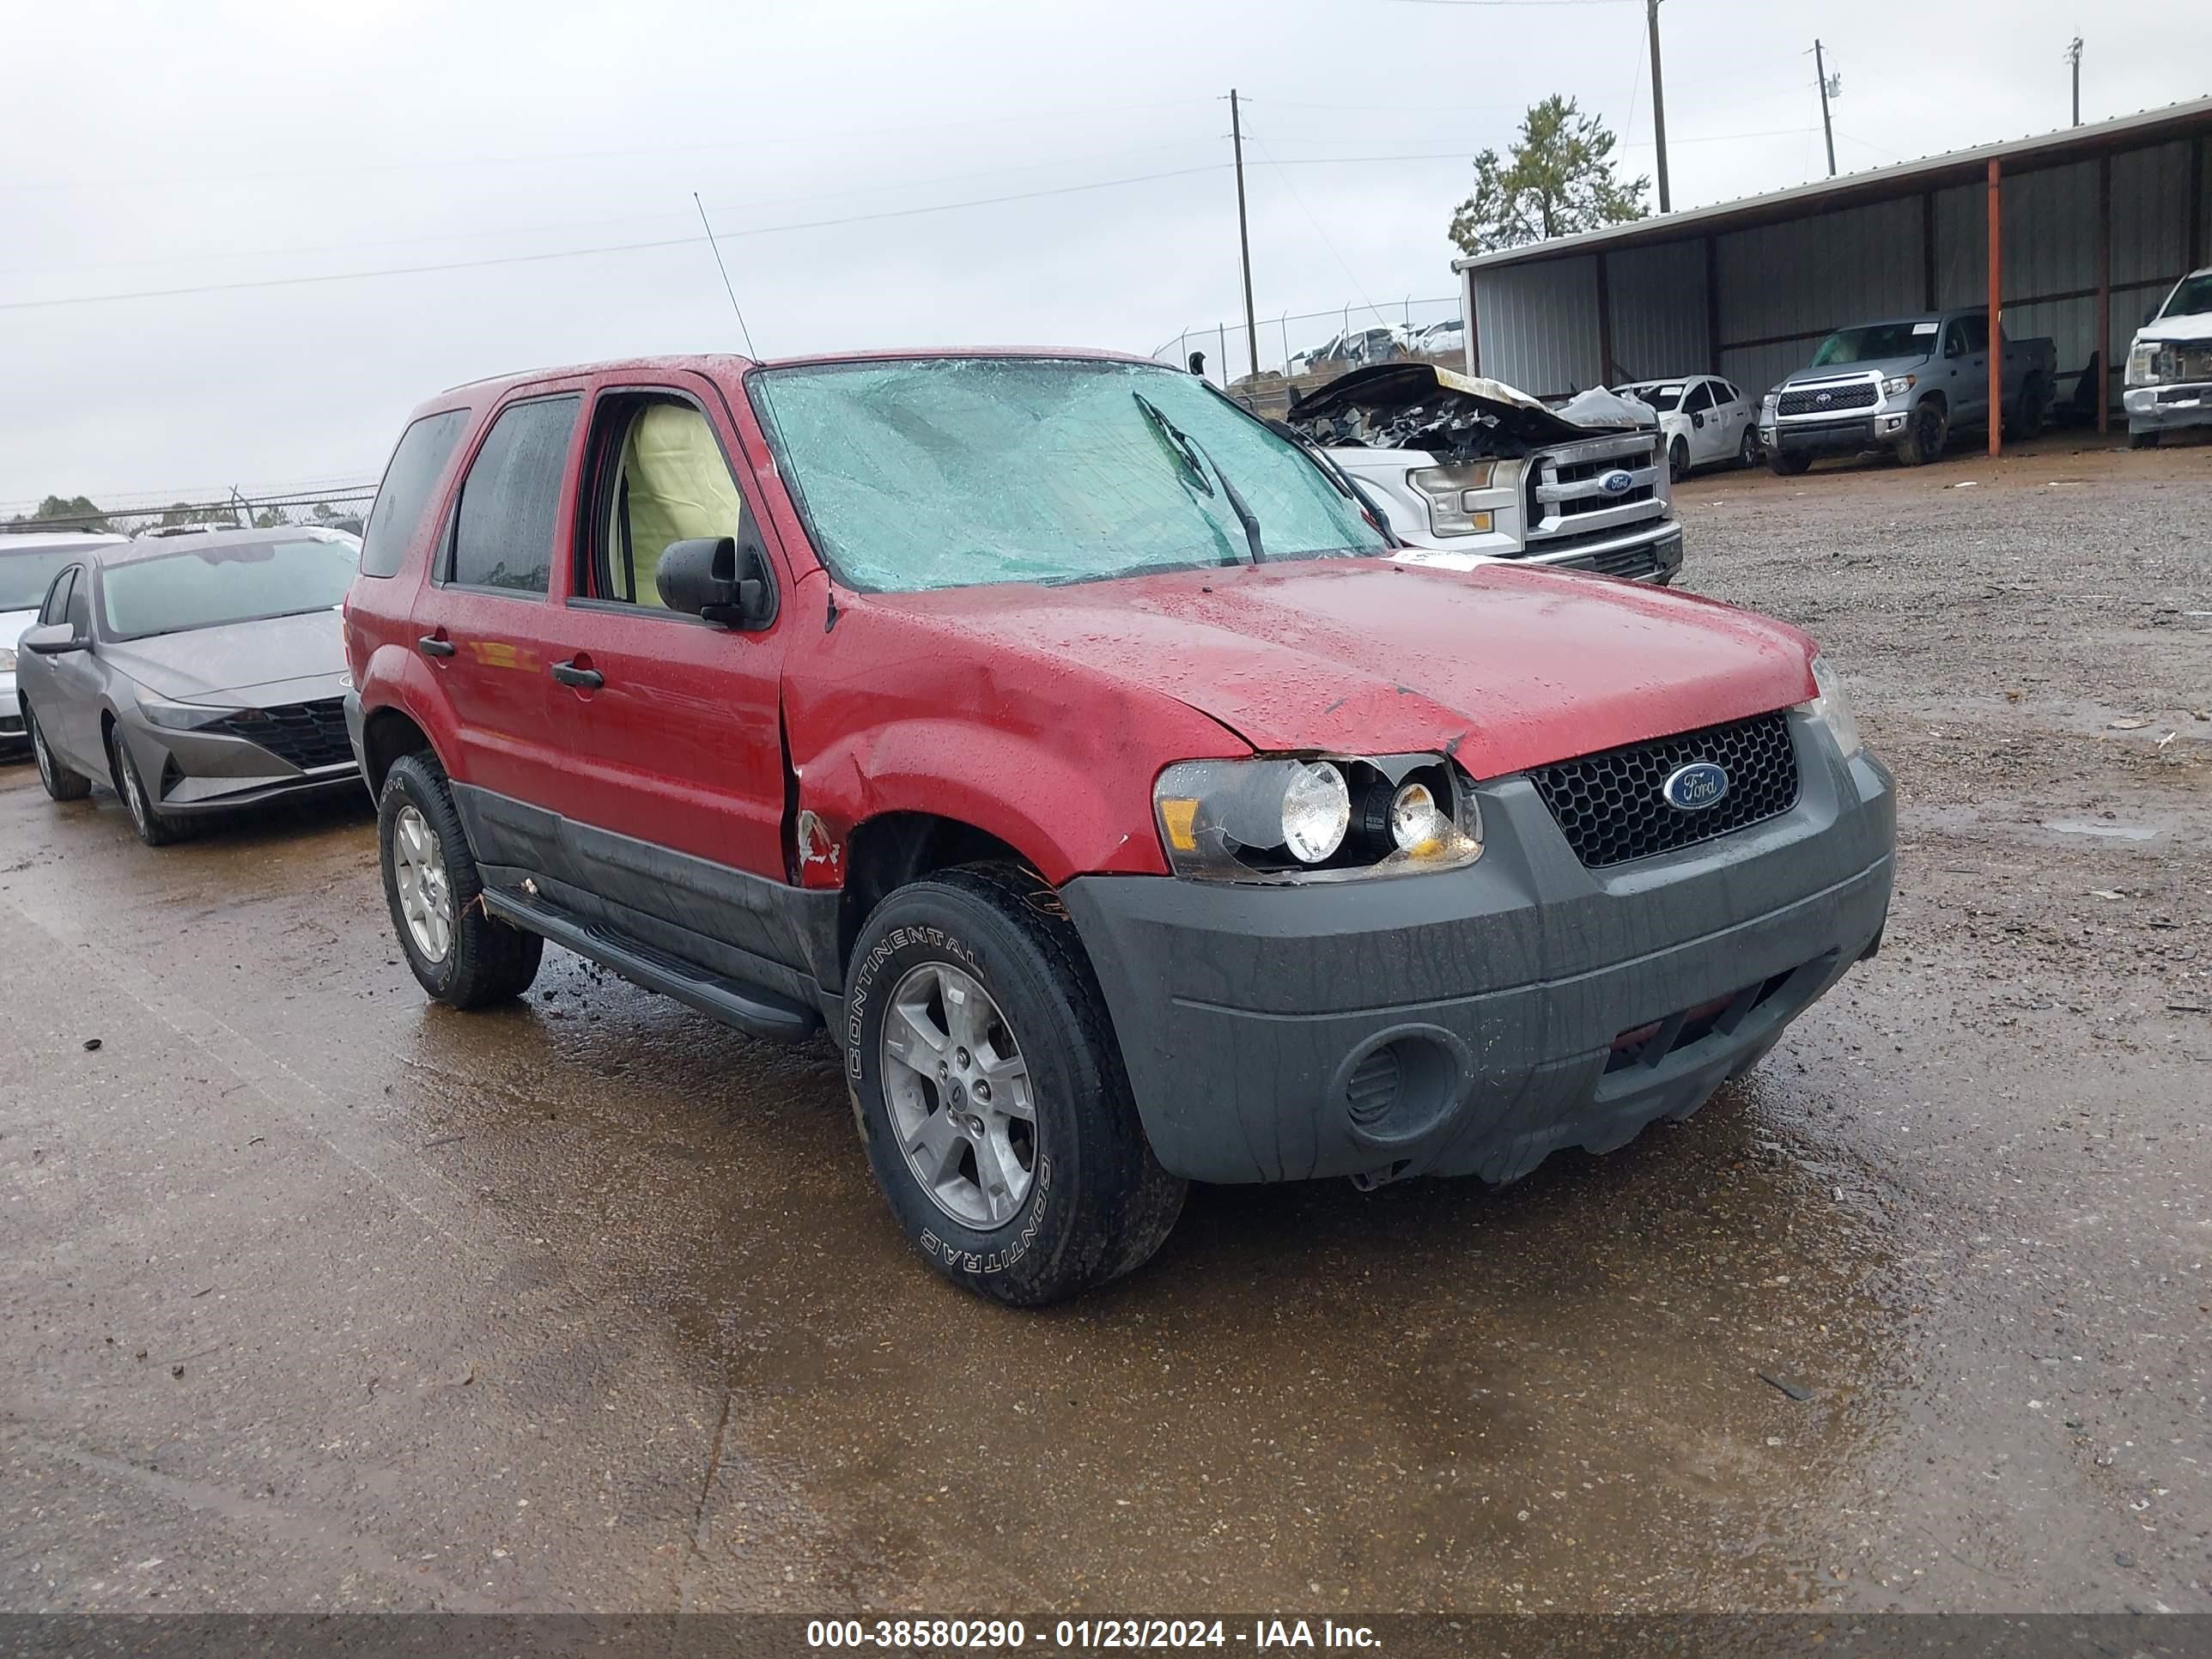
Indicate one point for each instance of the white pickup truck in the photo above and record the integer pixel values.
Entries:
(1468, 471)
(2169, 376)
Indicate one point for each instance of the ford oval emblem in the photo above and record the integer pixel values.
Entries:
(1694, 788)
(1617, 482)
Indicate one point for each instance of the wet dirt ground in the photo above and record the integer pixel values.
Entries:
(312, 1296)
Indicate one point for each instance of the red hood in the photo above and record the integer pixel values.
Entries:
(1504, 667)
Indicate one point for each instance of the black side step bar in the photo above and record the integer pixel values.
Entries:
(752, 1009)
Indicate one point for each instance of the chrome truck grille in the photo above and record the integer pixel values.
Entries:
(1569, 507)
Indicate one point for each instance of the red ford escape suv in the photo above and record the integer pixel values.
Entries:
(1069, 743)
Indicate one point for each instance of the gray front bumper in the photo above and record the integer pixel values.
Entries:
(2167, 408)
(1248, 1014)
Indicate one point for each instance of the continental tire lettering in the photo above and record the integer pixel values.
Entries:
(856, 998)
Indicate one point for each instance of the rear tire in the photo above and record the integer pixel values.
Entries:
(1747, 453)
(62, 783)
(1784, 464)
(1921, 440)
(460, 953)
(1090, 1202)
(155, 827)
(2034, 408)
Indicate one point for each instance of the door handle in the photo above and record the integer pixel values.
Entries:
(431, 645)
(586, 679)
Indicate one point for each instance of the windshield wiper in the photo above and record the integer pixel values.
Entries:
(1192, 453)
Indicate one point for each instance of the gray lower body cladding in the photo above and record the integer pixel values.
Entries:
(1837, 437)
(1474, 1021)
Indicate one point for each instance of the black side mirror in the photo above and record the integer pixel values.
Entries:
(701, 576)
(52, 638)
(1697, 418)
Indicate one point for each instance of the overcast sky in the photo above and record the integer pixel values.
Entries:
(161, 147)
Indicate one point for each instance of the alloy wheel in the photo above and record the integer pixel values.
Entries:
(962, 1106)
(134, 793)
(426, 895)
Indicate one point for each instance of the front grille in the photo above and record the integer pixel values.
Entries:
(1822, 400)
(1579, 504)
(1609, 808)
(1647, 1045)
(1567, 472)
(2193, 364)
(307, 734)
(1642, 559)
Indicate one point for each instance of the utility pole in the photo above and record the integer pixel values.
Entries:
(1658, 104)
(1243, 237)
(2074, 57)
(1820, 69)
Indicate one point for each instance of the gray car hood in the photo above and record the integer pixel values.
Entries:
(1884, 367)
(282, 659)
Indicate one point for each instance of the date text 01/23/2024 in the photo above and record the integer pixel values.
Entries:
(1008, 1635)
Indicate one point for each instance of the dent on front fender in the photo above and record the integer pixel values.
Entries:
(895, 712)
(1063, 819)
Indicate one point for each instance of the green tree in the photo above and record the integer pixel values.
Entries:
(185, 513)
(1559, 178)
(74, 513)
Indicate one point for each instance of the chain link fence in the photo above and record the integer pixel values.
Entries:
(1355, 334)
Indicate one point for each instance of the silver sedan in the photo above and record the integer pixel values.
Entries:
(194, 676)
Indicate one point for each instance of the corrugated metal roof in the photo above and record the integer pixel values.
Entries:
(1904, 178)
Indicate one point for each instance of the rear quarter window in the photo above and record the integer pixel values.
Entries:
(416, 466)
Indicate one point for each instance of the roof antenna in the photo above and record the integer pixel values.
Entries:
(724, 270)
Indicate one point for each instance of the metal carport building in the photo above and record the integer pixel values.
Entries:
(2095, 222)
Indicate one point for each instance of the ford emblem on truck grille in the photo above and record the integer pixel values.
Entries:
(1617, 481)
(1694, 788)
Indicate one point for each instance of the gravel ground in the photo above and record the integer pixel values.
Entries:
(317, 1297)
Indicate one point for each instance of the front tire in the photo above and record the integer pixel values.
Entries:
(990, 1093)
(155, 827)
(1784, 464)
(1921, 440)
(460, 953)
(61, 783)
(2144, 440)
(1678, 461)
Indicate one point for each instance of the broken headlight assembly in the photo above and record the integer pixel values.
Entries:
(1832, 708)
(1450, 493)
(2148, 364)
(1327, 819)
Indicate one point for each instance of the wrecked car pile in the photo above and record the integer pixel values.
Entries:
(1467, 471)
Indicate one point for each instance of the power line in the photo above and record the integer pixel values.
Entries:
(585, 224)
(563, 158)
(260, 283)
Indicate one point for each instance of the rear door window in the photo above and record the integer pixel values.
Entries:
(416, 466)
(501, 537)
